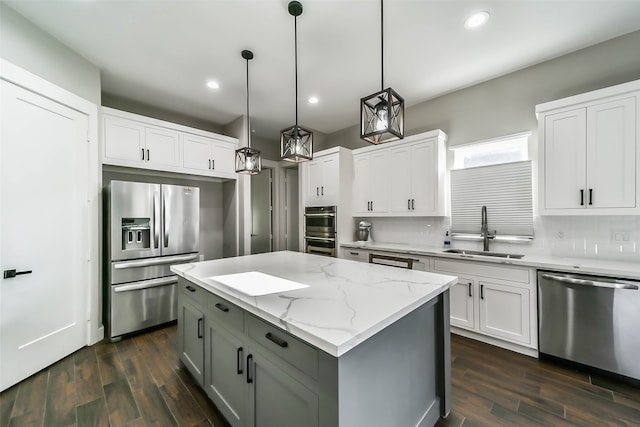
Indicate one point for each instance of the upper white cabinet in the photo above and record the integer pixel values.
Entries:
(142, 142)
(371, 184)
(401, 178)
(589, 153)
(324, 177)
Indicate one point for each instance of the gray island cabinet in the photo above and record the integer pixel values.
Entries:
(292, 339)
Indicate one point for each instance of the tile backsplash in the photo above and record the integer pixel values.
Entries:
(603, 237)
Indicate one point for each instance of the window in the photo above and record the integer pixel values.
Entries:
(510, 148)
(496, 174)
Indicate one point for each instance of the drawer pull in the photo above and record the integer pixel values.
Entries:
(470, 295)
(222, 307)
(354, 253)
(249, 362)
(200, 324)
(191, 288)
(481, 291)
(239, 361)
(278, 341)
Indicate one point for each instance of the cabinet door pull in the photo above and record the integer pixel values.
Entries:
(317, 191)
(249, 363)
(481, 291)
(148, 156)
(591, 196)
(9, 274)
(200, 324)
(581, 197)
(408, 204)
(213, 164)
(222, 307)
(276, 340)
(322, 190)
(372, 205)
(413, 204)
(470, 295)
(142, 153)
(191, 288)
(239, 361)
(354, 253)
(209, 163)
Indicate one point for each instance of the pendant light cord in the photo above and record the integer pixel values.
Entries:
(248, 116)
(381, 45)
(295, 38)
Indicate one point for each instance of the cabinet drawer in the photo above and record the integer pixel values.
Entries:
(285, 345)
(355, 254)
(225, 312)
(188, 289)
(511, 274)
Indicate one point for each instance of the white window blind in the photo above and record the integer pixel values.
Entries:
(504, 189)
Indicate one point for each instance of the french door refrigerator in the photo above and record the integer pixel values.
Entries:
(150, 227)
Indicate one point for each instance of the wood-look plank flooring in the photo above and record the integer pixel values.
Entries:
(140, 382)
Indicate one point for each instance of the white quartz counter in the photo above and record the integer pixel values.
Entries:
(576, 265)
(345, 302)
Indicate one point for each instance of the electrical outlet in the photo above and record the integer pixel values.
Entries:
(201, 257)
(621, 236)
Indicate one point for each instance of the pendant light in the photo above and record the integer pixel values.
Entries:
(296, 143)
(248, 160)
(382, 113)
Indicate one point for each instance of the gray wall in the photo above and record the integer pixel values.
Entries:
(506, 104)
(28, 47)
(211, 207)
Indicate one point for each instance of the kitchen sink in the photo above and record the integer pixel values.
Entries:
(484, 253)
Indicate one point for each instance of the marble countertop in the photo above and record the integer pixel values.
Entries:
(345, 302)
(620, 269)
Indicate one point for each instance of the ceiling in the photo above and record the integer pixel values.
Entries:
(162, 53)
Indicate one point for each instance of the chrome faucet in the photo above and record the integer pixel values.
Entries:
(484, 231)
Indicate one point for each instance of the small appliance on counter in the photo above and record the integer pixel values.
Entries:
(363, 233)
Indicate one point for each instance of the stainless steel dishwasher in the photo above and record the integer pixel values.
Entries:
(591, 320)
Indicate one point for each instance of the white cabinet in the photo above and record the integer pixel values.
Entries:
(401, 178)
(371, 188)
(138, 145)
(494, 303)
(207, 155)
(142, 142)
(322, 180)
(352, 254)
(589, 153)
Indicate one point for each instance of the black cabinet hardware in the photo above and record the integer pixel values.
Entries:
(481, 291)
(209, 163)
(213, 163)
(142, 149)
(239, 361)
(249, 363)
(470, 295)
(148, 156)
(581, 197)
(591, 196)
(191, 288)
(8, 274)
(408, 204)
(413, 204)
(322, 190)
(200, 324)
(222, 307)
(276, 340)
(354, 253)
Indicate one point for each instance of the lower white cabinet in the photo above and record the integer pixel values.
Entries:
(355, 254)
(504, 312)
(191, 330)
(462, 307)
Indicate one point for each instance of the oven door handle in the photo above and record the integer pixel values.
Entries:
(322, 239)
(321, 215)
(321, 251)
(163, 281)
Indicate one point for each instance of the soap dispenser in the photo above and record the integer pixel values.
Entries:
(447, 240)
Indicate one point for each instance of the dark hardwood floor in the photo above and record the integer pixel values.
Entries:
(139, 382)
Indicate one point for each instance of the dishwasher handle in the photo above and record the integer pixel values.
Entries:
(614, 284)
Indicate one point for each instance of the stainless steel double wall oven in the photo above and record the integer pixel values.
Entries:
(149, 228)
(320, 230)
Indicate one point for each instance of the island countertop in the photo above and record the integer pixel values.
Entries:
(345, 302)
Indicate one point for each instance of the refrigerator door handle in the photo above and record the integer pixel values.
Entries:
(164, 281)
(154, 261)
(155, 221)
(166, 223)
(614, 284)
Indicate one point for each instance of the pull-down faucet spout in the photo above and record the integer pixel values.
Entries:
(484, 230)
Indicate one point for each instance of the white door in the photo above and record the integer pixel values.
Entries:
(330, 182)
(123, 140)
(43, 230)
(504, 312)
(361, 184)
(223, 158)
(313, 178)
(162, 147)
(400, 179)
(565, 160)
(461, 303)
(424, 178)
(196, 153)
(381, 186)
(611, 154)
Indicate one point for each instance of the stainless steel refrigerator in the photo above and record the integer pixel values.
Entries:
(149, 228)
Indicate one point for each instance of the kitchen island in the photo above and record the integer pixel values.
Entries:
(350, 344)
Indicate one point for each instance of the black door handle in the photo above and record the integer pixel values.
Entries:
(470, 290)
(222, 307)
(481, 291)
(249, 362)
(200, 323)
(239, 361)
(591, 196)
(581, 197)
(148, 157)
(8, 274)
(191, 288)
(276, 340)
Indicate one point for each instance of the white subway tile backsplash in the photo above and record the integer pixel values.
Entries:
(566, 236)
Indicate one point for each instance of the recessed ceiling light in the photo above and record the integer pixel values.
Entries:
(313, 100)
(476, 20)
(212, 85)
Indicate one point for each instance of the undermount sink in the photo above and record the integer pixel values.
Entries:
(483, 253)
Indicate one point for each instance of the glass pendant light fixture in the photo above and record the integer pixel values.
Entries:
(296, 143)
(248, 160)
(382, 113)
